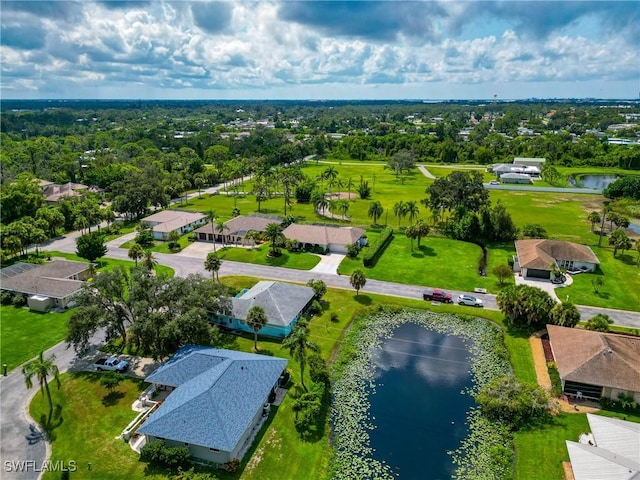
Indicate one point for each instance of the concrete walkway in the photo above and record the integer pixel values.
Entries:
(539, 362)
(426, 172)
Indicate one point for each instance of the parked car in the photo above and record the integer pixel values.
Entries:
(436, 295)
(470, 300)
(112, 364)
(494, 182)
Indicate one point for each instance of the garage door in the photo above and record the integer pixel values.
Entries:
(532, 272)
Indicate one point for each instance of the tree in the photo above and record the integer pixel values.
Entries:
(136, 252)
(273, 233)
(330, 175)
(364, 190)
(343, 207)
(599, 323)
(400, 162)
(256, 319)
(513, 403)
(261, 192)
(502, 271)
(212, 264)
(198, 181)
(319, 288)
(458, 189)
(358, 280)
(349, 185)
(41, 368)
(628, 187)
(149, 260)
(565, 314)
(91, 246)
(411, 233)
(422, 230)
(620, 241)
(534, 230)
(412, 210)
(297, 344)
(319, 200)
(400, 210)
(211, 216)
(594, 217)
(110, 380)
(375, 211)
(220, 228)
(550, 174)
(524, 305)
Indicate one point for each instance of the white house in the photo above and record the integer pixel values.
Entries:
(330, 237)
(167, 221)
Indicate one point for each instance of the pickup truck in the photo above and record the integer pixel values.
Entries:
(113, 364)
(436, 295)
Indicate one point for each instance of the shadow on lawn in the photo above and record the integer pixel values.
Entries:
(363, 299)
(112, 398)
(49, 425)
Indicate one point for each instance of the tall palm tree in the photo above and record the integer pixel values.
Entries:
(136, 252)
(593, 217)
(273, 233)
(330, 175)
(375, 211)
(212, 264)
(358, 280)
(42, 368)
(211, 216)
(343, 206)
(319, 200)
(298, 343)
(422, 230)
(412, 210)
(400, 210)
(349, 185)
(220, 228)
(256, 319)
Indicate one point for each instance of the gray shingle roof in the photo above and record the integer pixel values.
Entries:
(282, 302)
(212, 407)
(243, 223)
(50, 279)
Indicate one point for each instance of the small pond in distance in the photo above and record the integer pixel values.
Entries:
(418, 408)
(598, 182)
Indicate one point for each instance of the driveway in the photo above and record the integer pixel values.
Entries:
(328, 264)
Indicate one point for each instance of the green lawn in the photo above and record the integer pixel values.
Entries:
(258, 255)
(107, 264)
(23, 334)
(439, 261)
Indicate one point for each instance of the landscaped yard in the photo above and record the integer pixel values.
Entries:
(23, 334)
(258, 255)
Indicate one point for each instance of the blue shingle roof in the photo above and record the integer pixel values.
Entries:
(212, 407)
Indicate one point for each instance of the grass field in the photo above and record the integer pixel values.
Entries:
(23, 333)
(259, 256)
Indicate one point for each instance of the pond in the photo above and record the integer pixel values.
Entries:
(598, 182)
(418, 409)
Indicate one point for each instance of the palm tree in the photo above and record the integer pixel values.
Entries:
(136, 252)
(358, 280)
(411, 232)
(273, 233)
(261, 191)
(422, 230)
(375, 211)
(298, 343)
(319, 200)
(256, 319)
(199, 181)
(400, 210)
(149, 260)
(220, 228)
(212, 264)
(412, 210)
(330, 175)
(343, 206)
(211, 216)
(594, 217)
(349, 185)
(42, 368)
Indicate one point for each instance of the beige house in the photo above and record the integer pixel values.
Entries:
(536, 258)
(594, 364)
(53, 192)
(237, 228)
(47, 286)
(332, 238)
(167, 221)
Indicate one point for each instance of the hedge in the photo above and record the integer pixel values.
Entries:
(373, 253)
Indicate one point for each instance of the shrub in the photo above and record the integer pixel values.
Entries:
(233, 465)
(158, 453)
(292, 245)
(144, 238)
(6, 298)
(19, 300)
(319, 288)
(599, 323)
(353, 249)
(315, 307)
(534, 230)
(334, 317)
(375, 250)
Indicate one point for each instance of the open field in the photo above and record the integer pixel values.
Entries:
(23, 333)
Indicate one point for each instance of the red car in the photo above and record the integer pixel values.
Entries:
(436, 295)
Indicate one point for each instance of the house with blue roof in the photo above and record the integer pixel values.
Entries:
(218, 398)
(284, 304)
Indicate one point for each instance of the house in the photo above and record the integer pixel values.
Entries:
(515, 178)
(217, 403)
(167, 221)
(284, 304)
(47, 286)
(537, 258)
(236, 229)
(330, 237)
(610, 452)
(53, 192)
(595, 364)
(530, 161)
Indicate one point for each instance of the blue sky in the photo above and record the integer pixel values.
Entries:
(267, 49)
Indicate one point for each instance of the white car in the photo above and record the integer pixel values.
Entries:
(469, 300)
(494, 182)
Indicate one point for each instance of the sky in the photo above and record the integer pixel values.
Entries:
(276, 49)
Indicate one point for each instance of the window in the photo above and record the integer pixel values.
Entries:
(214, 450)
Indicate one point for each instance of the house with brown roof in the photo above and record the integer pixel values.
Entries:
(46, 286)
(330, 237)
(53, 192)
(236, 229)
(595, 364)
(537, 258)
(167, 221)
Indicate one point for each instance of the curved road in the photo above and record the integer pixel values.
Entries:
(20, 438)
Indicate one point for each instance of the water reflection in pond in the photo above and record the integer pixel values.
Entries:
(418, 409)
